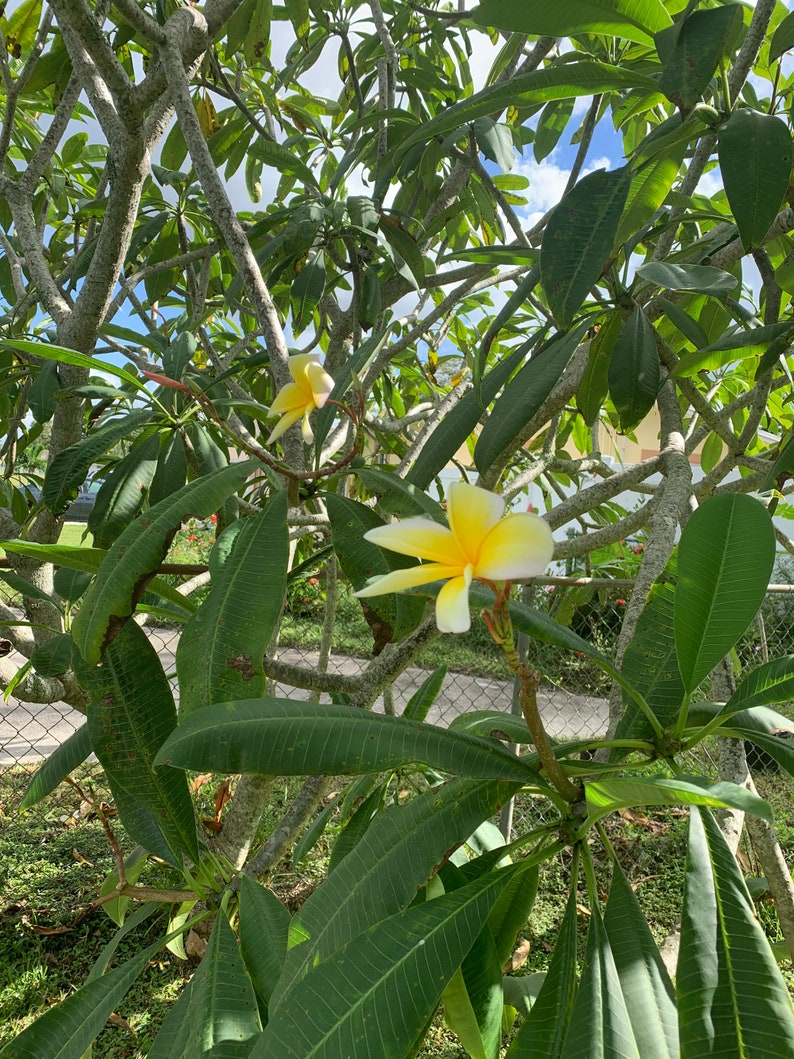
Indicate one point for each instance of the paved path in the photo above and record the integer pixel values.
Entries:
(29, 732)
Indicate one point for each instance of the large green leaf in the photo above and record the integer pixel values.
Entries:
(472, 999)
(130, 713)
(607, 796)
(650, 665)
(361, 560)
(594, 385)
(644, 981)
(544, 1029)
(564, 81)
(524, 395)
(453, 430)
(67, 1030)
(264, 928)
(63, 760)
(399, 497)
(579, 239)
(381, 875)
(71, 356)
(379, 991)
(703, 278)
(734, 346)
(306, 292)
(755, 156)
(691, 50)
(69, 467)
(122, 493)
(771, 682)
(135, 556)
(216, 1016)
(732, 1000)
(634, 370)
(219, 654)
(281, 737)
(725, 559)
(633, 19)
(89, 560)
(649, 188)
(600, 1026)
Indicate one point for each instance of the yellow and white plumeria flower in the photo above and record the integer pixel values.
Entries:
(479, 544)
(298, 399)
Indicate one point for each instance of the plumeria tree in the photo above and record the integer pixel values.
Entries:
(283, 265)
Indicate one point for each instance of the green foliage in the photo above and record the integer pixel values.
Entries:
(387, 228)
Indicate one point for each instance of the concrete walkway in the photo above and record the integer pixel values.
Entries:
(29, 732)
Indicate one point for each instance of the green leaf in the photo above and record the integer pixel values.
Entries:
(399, 497)
(360, 560)
(644, 981)
(600, 1023)
(566, 81)
(171, 472)
(137, 553)
(122, 493)
(426, 694)
(67, 1030)
(733, 346)
(692, 49)
(67, 470)
(579, 239)
(634, 370)
(216, 1015)
(70, 356)
(782, 39)
(380, 876)
(650, 665)
(495, 142)
(544, 1029)
(702, 278)
(219, 654)
(281, 737)
(391, 976)
(607, 796)
(455, 428)
(633, 19)
(725, 560)
(42, 395)
(732, 1000)
(264, 928)
(404, 246)
(64, 759)
(771, 682)
(21, 585)
(755, 156)
(551, 124)
(20, 27)
(650, 187)
(130, 714)
(689, 327)
(594, 386)
(54, 657)
(306, 292)
(711, 453)
(90, 560)
(524, 395)
(472, 998)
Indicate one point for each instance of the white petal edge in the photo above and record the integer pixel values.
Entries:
(520, 545)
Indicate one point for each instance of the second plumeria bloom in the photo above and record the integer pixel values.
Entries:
(479, 544)
(297, 400)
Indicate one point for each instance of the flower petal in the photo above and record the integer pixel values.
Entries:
(397, 580)
(520, 545)
(284, 423)
(306, 428)
(420, 537)
(290, 399)
(452, 605)
(321, 383)
(472, 513)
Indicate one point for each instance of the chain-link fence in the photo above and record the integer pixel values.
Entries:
(573, 696)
